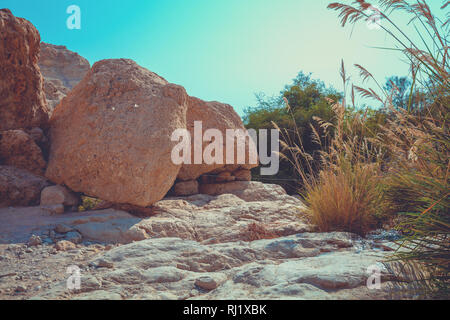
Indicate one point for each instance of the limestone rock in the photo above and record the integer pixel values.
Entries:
(54, 92)
(243, 175)
(214, 115)
(19, 187)
(19, 149)
(62, 69)
(22, 99)
(58, 63)
(303, 266)
(211, 281)
(34, 241)
(58, 195)
(186, 188)
(246, 190)
(203, 218)
(111, 136)
(64, 245)
(225, 177)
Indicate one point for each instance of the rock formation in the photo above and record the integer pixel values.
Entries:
(19, 149)
(19, 187)
(220, 116)
(22, 100)
(111, 136)
(62, 69)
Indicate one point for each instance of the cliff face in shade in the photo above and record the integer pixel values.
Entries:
(62, 69)
(22, 99)
(111, 136)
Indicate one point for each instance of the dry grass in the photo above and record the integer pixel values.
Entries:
(345, 200)
(350, 192)
(416, 140)
(345, 194)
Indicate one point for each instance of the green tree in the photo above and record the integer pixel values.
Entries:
(307, 98)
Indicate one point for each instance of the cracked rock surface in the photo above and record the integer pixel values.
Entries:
(231, 246)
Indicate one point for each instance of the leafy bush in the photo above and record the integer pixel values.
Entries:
(88, 203)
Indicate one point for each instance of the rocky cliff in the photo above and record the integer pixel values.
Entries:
(62, 70)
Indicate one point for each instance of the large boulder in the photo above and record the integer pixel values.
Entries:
(214, 115)
(111, 136)
(19, 187)
(22, 100)
(62, 69)
(19, 149)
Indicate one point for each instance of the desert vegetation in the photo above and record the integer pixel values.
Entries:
(359, 168)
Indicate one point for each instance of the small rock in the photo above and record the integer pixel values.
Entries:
(194, 293)
(58, 195)
(64, 245)
(206, 283)
(21, 288)
(62, 228)
(34, 241)
(73, 236)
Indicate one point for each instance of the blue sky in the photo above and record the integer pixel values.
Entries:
(224, 50)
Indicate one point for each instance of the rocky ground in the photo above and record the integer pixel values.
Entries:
(232, 246)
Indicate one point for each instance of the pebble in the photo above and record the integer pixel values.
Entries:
(64, 245)
(21, 289)
(34, 241)
(206, 283)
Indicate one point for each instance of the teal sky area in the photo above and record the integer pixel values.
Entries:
(219, 50)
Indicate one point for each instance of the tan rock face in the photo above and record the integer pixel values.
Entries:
(19, 149)
(22, 100)
(19, 187)
(62, 69)
(111, 136)
(58, 63)
(213, 115)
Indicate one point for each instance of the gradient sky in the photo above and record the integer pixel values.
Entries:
(224, 50)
